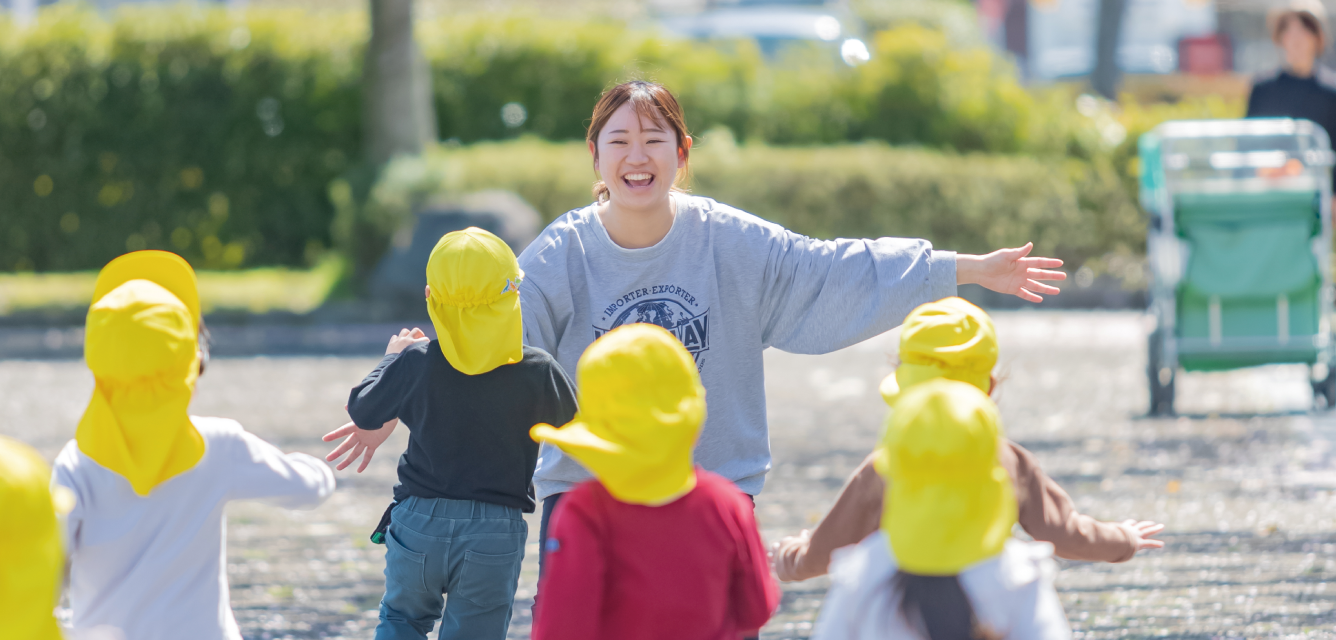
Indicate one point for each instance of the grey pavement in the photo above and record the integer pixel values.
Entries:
(1245, 479)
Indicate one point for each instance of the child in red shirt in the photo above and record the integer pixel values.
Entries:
(654, 547)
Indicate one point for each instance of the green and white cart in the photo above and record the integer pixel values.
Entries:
(1239, 244)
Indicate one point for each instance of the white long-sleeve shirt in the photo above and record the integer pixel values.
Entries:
(1012, 594)
(155, 566)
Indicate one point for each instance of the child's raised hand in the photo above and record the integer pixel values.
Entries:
(405, 339)
(1010, 271)
(362, 442)
(1142, 532)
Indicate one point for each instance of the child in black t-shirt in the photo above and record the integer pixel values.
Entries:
(468, 398)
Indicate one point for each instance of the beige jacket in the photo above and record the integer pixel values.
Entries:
(1046, 513)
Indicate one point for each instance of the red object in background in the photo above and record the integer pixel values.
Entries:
(1205, 55)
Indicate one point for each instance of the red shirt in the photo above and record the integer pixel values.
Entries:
(692, 569)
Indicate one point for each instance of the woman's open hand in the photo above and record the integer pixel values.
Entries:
(362, 442)
(1010, 271)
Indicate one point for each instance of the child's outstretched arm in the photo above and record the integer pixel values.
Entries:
(260, 471)
(855, 515)
(374, 403)
(362, 442)
(1047, 513)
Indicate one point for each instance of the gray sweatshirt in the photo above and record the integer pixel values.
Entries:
(728, 284)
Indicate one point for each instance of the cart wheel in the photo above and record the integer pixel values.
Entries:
(1161, 378)
(1326, 389)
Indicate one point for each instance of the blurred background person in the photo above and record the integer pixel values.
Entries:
(1301, 88)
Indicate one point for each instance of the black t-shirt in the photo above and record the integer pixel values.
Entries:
(468, 435)
(1282, 95)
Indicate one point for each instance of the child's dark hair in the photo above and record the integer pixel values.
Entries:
(205, 341)
(937, 607)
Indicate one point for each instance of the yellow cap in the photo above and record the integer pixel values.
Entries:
(949, 503)
(168, 270)
(641, 409)
(30, 543)
(475, 300)
(140, 342)
(949, 338)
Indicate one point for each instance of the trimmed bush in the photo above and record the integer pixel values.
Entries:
(179, 129)
(1070, 209)
(234, 138)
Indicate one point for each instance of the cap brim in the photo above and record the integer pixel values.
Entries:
(163, 268)
(889, 388)
(574, 435)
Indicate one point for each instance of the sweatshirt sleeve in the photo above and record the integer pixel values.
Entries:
(1048, 514)
(378, 397)
(541, 329)
(822, 295)
(574, 575)
(259, 471)
(855, 515)
(755, 594)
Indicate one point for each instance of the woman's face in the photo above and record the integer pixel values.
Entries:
(637, 159)
(1300, 44)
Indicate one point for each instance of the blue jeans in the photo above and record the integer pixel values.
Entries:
(468, 549)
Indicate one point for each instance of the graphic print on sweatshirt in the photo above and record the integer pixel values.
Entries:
(668, 306)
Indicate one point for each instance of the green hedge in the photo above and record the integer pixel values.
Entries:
(177, 129)
(1071, 209)
(217, 133)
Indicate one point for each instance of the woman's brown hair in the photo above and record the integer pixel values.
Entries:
(651, 101)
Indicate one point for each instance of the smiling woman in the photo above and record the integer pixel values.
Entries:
(725, 282)
(638, 138)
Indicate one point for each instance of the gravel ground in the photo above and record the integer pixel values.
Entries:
(1244, 479)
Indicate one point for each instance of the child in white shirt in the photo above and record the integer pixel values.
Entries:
(146, 544)
(944, 565)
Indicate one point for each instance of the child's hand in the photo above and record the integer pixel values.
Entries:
(784, 555)
(361, 441)
(1010, 271)
(1142, 532)
(405, 339)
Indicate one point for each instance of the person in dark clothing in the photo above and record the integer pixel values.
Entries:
(469, 399)
(1301, 88)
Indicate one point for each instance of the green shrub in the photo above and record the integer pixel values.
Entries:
(1069, 208)
(179, 129)
(234, 138)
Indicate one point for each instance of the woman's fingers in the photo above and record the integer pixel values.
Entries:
(1150, 543)
(1028, 296)
(1044, 274)
(1039, 287)
(1040, 263)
